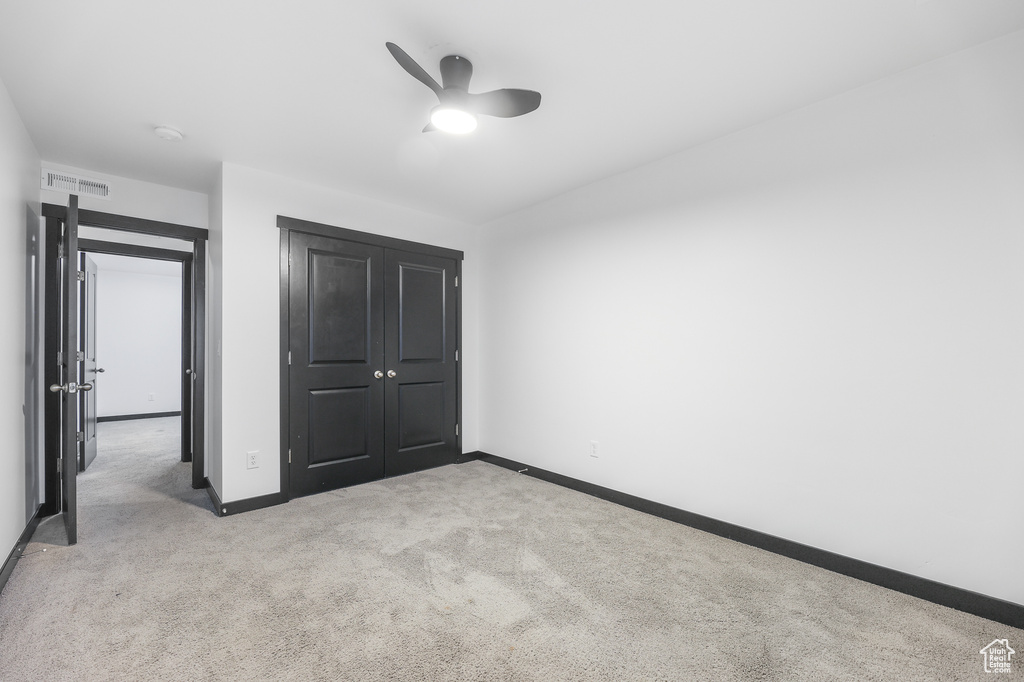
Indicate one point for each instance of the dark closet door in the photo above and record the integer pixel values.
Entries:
(336, 330)
(421, 329)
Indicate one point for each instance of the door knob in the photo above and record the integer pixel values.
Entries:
(100, 370)
(378, 374)
(70, 388)
(392, 374)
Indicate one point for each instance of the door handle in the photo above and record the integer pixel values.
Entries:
(100, 370)
(392, 374)
(378, 374)
(70, 387)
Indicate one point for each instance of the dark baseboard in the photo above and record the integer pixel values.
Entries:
(214, 497)
(252, 503)
(148, 415)
(468, 457)
(19, 548)
(241, 506)
(974, 603)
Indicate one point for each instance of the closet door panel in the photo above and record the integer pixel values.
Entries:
(421, 327)
(421, 414)
(336, 339)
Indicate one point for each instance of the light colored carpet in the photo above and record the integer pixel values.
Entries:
(467, 572)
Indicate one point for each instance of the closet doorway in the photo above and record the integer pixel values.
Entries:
(370, 332)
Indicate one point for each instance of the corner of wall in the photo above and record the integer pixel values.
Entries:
(20, 399)
(214, 384)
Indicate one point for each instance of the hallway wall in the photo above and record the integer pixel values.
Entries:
(20, 427)
(138, 326)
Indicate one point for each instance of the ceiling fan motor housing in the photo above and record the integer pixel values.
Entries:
(454, 98)
(456, 72)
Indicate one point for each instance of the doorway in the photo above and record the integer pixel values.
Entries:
(371, 378)
(135, 327)
(64, 455)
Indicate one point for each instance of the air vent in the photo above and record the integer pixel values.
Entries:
(60, 181)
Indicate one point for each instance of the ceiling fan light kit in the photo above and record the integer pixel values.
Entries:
(452, 120)
(458, 109)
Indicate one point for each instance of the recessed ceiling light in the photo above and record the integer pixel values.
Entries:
(168, 133)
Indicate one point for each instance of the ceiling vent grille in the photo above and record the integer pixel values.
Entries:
(59, 181)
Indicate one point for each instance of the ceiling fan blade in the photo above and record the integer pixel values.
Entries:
(505, 103)
(414, 69)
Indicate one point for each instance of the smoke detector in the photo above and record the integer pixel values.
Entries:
(168, 133)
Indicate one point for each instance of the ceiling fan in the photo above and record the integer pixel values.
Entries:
(458, 109)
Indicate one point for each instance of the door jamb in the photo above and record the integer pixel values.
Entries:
(54, 218)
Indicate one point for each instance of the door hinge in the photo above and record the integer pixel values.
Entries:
(456, 356)
(456, 281)
(60, 463)
(80, 356)
(81, 275)
(289, 357)
(289, 455)
(456, 429)
(81, 436)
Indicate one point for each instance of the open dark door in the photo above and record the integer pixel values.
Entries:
(67, 385)
(89, 370)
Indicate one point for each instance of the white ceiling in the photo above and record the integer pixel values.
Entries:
(307, 89)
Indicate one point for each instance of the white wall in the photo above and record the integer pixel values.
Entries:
(812, 328)
(138, 337)
(19, 211)
(214, 374)
(135, 198)
(249, 308)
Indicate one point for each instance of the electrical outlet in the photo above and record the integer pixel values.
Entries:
(252, 460)
(593, 449)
